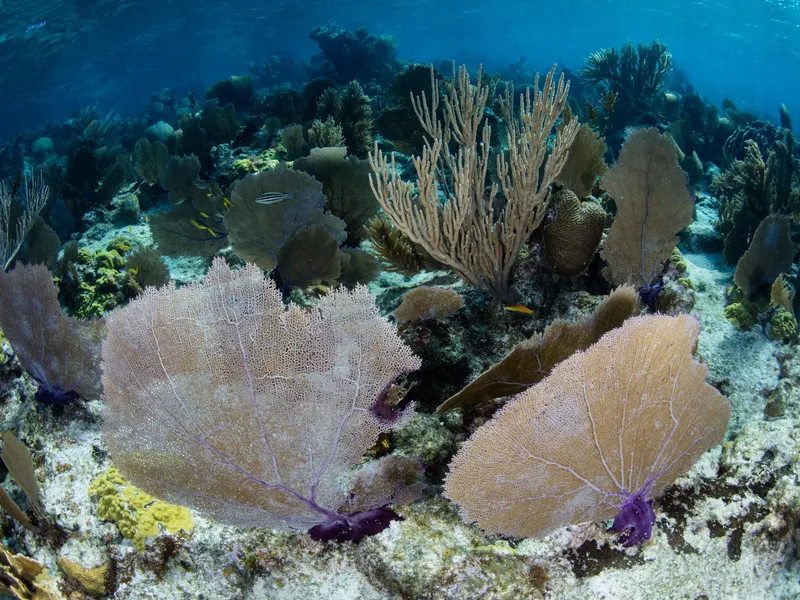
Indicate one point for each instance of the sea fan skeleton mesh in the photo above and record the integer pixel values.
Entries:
(610, 428)
(219, 398)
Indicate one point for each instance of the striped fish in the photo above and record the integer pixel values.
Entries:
(273, 197)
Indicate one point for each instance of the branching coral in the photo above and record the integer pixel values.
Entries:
(395, 250)
(350, 108)
(36, 193)
(635, 75)
(464, 232)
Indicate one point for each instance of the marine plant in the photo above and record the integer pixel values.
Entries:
(601, 437)
(58, 351)
(466, 232)
(220, 398)
(653, 204)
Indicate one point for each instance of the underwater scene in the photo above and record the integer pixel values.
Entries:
(393, 301)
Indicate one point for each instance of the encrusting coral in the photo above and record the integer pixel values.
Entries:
(602, 436)
(136, 514)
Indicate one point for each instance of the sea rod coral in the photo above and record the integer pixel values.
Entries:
(221, 399)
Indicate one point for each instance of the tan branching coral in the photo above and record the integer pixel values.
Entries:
(572, 237)
(532, 360)
(428, 303)
(466, 232)
(608, 430)
(653, 205)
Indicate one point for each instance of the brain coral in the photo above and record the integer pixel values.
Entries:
(603, 435)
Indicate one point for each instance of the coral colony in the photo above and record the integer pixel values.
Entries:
(303, 323)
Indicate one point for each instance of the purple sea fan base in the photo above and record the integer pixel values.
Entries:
(635, 520)
(355, 527)
(54, 396)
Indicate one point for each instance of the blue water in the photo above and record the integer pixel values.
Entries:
(56, 57)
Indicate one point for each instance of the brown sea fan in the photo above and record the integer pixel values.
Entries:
(604, 434)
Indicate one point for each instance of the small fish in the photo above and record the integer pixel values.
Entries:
(520, 308)
(202, 227)
(135, 270)
(146, 218)
(204, 215)
(200, 184)
(130, 229)
(227, 203)
(273, 197)
(320, 290)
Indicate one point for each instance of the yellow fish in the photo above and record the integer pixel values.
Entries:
(130, 229)
(135, 270)
(146, 218)
(520, 308)
(227, 203)
(204, 215)
(202, 227)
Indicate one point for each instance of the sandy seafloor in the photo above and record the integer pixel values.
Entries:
(726, 530)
